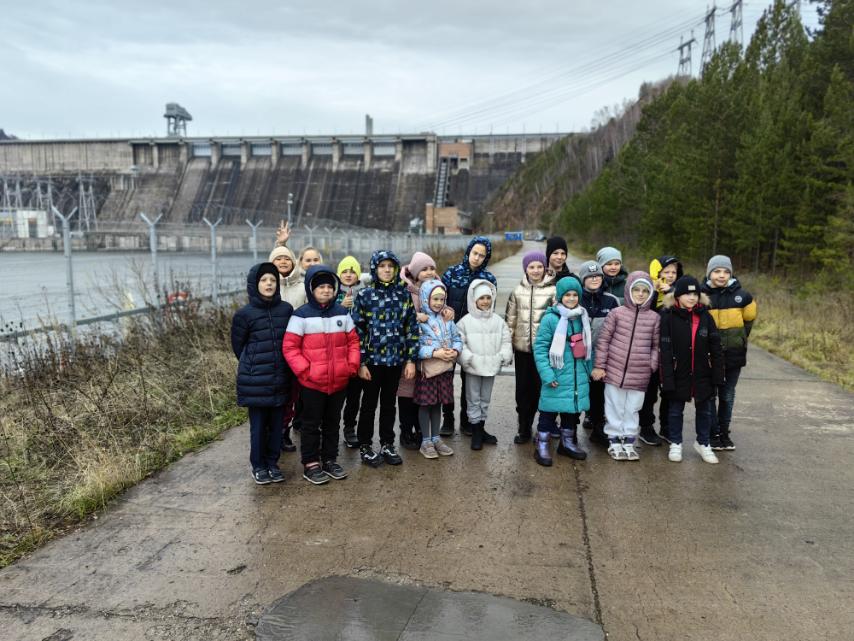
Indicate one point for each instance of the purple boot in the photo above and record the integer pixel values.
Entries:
(541, 453)
(568, 446)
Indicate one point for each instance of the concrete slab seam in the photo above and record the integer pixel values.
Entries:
(588, 551)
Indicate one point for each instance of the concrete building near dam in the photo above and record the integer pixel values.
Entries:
(367, 181)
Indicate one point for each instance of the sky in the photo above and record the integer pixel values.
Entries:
(279, 67)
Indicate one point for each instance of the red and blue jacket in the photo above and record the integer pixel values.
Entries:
(321, 344)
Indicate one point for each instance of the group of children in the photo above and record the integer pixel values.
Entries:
(315, 344)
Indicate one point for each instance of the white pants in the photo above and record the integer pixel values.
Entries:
(621, 411)
(478, 395)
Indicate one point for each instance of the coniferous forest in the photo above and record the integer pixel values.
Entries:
(755, 158)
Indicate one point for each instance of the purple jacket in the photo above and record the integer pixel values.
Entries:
(627, 347)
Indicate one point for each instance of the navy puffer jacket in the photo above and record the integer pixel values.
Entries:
(257, 330)
(457, 278)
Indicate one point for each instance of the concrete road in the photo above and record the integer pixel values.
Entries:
(758, 547)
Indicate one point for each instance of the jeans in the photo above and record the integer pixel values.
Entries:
(265, 436)
(321, 415)
(725, 401)
(703, 420)
(382, 389)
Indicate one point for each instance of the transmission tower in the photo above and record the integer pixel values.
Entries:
(709, 39)
(736, 27)
(685, 56)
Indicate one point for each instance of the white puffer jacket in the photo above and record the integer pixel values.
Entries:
(486, 337)
(525, 309)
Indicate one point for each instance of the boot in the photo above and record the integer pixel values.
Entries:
(541, 453)
(568, 446)
(465, 426)
(488, 439)
(477, 436)
(350, 438)
(598, 434)
(447, 428)
(524, 434)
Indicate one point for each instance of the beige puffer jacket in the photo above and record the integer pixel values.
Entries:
(525, 310)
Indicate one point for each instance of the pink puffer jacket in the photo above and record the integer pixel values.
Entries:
(627, 347)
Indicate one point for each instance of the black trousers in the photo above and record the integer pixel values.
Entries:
(647, 412)
(597, 402)
(382, 389)
(265, 436)
(351, 404)
(321, 415)
(407, 414)
(527, 390)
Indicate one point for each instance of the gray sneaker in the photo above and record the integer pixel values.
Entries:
(334, 471)
(442, 449)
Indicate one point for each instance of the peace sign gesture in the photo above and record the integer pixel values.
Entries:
(283, 233)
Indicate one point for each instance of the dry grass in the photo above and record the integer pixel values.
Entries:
(808, 323)
(80, 427)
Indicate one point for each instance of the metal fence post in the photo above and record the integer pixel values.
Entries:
(69, 273)
(254, 241)
(290, 207)
(152, 245)
(310, 235)
(213, 226)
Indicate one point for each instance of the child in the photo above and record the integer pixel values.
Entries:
(309, 256)
(691, 364)
(439, 346)
(626, 356)
(598, 304)
(457, 279)
(263, 377)
(385, 320)
(526, 306)
(556, 255)
(487, 346)
(664, 272)
(734, 311)
(419, 270)
(611, 261)
(352, 280)
(562, 352)
(322, 348)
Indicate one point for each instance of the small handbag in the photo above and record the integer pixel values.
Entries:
(431, 367)
(576, 344)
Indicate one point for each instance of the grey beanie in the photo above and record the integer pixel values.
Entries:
(607, 254)
(588, 269)
(719, 262)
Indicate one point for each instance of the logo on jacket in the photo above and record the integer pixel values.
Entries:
(340, 323)
(738, 299)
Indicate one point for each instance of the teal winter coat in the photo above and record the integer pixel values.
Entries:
(572, 394)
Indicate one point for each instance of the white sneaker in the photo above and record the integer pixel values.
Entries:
(705, 452)
(631, 452)
(615, 449)
(675, 453)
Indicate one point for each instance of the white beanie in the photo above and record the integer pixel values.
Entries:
(482, 289)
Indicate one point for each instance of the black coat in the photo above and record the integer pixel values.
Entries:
(257, 330)
(686, 375)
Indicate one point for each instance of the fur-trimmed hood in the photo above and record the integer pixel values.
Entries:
(669, 301)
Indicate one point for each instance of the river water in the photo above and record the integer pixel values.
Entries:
(33, 287)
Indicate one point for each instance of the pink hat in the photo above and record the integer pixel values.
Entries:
(533, 257)
(420, 261)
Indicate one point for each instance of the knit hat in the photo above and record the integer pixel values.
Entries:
(553, 244)
(533, 257)
(588, 269)
(686, 285)
(482, 289)
(324, 278)
(719, 262)
(282, 251)
(266, 268)
(420, 261)
(349, 262)
(607, 254)
(566, 284)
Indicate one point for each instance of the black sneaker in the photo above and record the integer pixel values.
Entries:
(648, 436)
(334, 471)
(288, 444)
(715, 442)
(313, 473)
(447, 428)
(726, 443)
(521, 439)
(369, 457)
(599, 437)
(262, 477)
(408, 442)
(588, 423)
(664, 435)
(390, 454)
(350, 438)
(276, 475)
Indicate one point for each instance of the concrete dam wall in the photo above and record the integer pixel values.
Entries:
(380, 182)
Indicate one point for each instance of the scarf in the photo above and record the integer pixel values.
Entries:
(559, 339)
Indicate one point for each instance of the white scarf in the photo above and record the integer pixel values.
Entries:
(559, 339)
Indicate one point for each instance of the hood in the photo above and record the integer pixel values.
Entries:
(731, 285)
(376, 258)
(549, 278)
(661, 262)
(252, 278)
(426, 290)
(621, 277)
(670, 301)
(349, 262)
(631, 280)
(313, 272)
(472, 306)
(478, 240)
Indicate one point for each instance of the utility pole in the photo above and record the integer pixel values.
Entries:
(214, 284)
(69, 272)
(709, 39)
(152, 246)
(736, 27)
(685, 56)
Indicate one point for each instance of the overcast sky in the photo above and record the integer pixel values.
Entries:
(96, 68)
